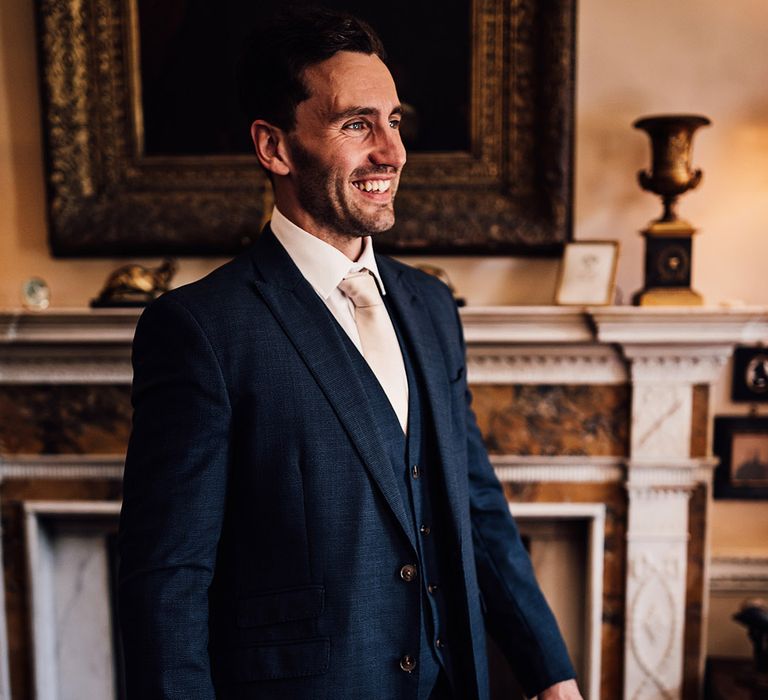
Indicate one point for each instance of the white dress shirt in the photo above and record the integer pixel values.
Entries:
(324, 266)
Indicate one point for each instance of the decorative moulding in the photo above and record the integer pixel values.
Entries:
(70, 364)
(537, 364)
(511, 344)
(61, 467)
(739, 574)
(679, 325)
(697, 364)
(68, 326)
(525, 324)
(657, 476)
(538, 468)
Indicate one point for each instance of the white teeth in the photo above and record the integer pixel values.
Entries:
(373, 185)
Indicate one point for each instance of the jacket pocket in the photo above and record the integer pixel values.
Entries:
(284, 605)
(294, 659)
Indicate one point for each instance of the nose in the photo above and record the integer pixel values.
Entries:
(388, 148)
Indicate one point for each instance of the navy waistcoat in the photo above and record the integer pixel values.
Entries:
(415, 461)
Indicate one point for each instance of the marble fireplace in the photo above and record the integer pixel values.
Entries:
(597, 421)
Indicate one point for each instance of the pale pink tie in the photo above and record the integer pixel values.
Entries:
(378, 339)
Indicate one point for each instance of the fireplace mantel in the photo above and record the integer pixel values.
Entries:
(84, 345)
(662, 359)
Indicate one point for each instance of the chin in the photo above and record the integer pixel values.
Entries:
(379, 225)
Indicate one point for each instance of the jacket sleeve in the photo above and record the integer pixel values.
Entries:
(173, 504)
(516, 613)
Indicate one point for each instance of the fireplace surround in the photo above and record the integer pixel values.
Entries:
(597, 417)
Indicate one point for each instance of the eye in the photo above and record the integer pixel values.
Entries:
(355, 126)
(394, 123)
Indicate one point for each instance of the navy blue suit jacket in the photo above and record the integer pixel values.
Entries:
(263, 530)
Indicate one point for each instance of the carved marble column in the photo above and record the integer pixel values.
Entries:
(669, 352)
(660, 476)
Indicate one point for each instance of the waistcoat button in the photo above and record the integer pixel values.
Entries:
(425, 529)
(415, 471)
(408, 573)
(407, 663)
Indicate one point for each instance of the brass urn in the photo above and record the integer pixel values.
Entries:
(668, 239)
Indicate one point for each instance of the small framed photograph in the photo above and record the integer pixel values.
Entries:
(741, 443)
(749, 381)
(587, 273)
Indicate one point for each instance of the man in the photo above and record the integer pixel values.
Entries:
(309, 511)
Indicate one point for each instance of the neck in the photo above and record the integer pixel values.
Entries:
(351, 246)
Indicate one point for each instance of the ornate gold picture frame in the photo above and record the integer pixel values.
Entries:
(509, 192)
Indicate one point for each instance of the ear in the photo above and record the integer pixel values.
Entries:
(269, 143)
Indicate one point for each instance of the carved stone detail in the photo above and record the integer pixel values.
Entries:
(537, 469)
(657, 557)
(698, 364)
(655, 618)
(544, 365)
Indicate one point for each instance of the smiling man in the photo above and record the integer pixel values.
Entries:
(309, 511)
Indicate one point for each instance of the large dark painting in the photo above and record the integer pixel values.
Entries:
(148, 153)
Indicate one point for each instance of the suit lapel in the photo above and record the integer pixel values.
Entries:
(312, 331)
(428, 354)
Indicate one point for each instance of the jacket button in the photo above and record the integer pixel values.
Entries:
(407, 663)
(408, 573)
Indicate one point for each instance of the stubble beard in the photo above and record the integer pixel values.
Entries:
(330, 207)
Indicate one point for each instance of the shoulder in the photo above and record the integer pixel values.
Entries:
(432, 292)
(226, 282)
(421, 282)
(210, 305)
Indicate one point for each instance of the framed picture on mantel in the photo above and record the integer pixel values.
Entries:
(147, 152)
(587, 273)
(741, 444)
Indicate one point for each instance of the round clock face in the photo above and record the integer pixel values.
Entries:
(673, 263)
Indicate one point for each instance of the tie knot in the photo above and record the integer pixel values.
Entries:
(362, 289)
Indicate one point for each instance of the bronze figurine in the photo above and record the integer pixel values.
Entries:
(135, 285)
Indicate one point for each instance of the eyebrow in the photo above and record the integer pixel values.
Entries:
(359, 111)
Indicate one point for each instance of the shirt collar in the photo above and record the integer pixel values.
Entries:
(322, 265)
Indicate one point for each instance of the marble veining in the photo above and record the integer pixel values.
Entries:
(83, 631)
(50, 419)
(553, 420)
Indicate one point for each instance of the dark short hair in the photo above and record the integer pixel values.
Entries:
(274, 57)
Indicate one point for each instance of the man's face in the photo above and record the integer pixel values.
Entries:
(345, 150)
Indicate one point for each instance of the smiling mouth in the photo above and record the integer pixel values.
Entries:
(373, 185)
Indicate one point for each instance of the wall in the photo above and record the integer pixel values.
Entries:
(693, 56)
(701, 56)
